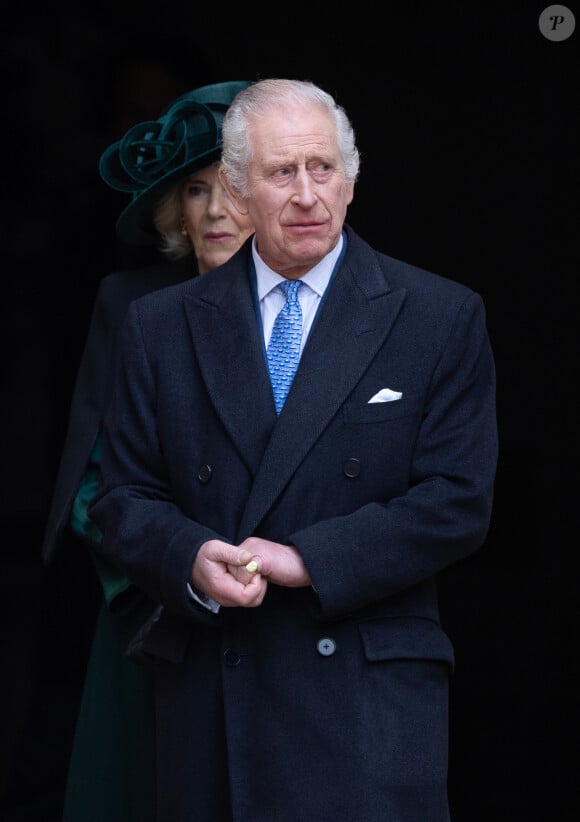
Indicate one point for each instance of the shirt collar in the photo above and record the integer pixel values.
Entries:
(317, 278)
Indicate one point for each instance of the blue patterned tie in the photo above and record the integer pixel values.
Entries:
(284, 348)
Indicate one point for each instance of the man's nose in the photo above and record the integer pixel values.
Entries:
(304, 190)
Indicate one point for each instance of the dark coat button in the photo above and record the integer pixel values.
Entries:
(326, 646)
(204, 473)
(231, 657)
(351, 467)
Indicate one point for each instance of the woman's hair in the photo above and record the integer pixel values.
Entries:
(267, 96)
(167, 220)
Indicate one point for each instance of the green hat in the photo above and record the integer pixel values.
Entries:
(155, 154)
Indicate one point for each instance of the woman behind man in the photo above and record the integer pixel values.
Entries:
(169, 167)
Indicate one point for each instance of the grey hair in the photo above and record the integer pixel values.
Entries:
(267, 96)
(167, 220)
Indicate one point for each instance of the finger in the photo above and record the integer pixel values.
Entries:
(240, 574)
(246, 595)
(243, 557)
(254, 592)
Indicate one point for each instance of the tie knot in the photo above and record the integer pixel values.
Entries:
(290, 289)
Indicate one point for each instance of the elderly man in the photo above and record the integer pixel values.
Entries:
(299, 441)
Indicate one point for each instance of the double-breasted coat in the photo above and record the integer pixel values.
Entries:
(325, 703)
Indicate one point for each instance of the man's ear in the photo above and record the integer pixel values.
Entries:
(238, 201)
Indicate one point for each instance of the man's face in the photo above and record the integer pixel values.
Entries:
(298, 193)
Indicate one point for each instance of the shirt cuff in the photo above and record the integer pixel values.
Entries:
(203, 599)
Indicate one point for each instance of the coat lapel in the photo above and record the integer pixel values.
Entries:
(227, 340)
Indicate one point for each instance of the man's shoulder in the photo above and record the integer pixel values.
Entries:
(416, 276)
(402, 274)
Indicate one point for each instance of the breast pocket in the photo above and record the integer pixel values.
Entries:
(357, 413)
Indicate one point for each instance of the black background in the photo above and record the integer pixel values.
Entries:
(467, 122)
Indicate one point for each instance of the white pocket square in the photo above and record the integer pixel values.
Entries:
(386, 395)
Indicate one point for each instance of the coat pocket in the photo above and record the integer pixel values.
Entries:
(163, 636)
(407, 638)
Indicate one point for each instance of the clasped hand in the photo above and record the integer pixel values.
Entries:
(238, 575)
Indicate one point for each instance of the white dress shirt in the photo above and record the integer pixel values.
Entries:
(271, 299)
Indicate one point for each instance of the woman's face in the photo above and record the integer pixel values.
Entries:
(215, 227)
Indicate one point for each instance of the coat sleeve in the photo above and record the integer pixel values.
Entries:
(145, 533)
